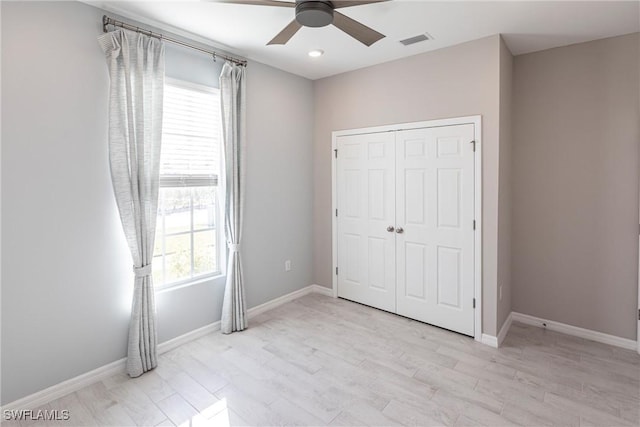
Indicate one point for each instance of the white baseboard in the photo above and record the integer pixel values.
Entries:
(259, 309)
(74, 384)
(251, 313)
(496, 341)
(322, 290)
(575, 331)
(505, 329)
(188, 337)
(489, 340)
(69, 386)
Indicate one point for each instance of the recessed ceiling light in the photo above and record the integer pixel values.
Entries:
(316, 53)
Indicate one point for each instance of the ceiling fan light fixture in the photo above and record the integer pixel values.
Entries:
(314, 13)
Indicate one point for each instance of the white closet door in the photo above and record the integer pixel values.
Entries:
(435, 197)
(366, 207)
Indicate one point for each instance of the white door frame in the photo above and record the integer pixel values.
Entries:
(475, 120)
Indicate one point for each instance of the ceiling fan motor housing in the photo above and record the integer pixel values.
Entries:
(313, 13)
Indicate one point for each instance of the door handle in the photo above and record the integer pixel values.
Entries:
(390, 229)
(399, 230)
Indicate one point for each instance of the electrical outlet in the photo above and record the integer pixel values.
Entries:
(500, 294)
(287, 265)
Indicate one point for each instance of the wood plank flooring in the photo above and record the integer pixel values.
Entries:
(323, 361)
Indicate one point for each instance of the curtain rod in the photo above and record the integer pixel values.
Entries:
(110, 21)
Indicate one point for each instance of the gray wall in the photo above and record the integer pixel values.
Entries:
(458, 81)
(66, 269)
(575, 181)
(504, 203)
(279, 183)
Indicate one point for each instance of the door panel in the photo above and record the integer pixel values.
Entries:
(366, 207)
(449, 193)
(449, 283)
(415, 269)
(434, 206)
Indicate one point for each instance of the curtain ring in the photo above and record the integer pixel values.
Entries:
(105, 22)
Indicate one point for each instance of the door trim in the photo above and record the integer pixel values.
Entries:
(477, 122)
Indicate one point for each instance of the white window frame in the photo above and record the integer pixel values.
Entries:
(199, 180)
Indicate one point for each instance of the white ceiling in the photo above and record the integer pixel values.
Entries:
(526, 26)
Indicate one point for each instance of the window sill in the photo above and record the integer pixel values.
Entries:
(196, 281)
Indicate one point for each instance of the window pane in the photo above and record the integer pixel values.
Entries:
(178, 258)
(157, 275)
(204, 247)
(190, 131)
(158, 258)
(157, 246)
(204, 208)
(176, 207)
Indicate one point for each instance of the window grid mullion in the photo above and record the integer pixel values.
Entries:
(182, 233)
(195, 230)
(164, 243)
(192, 246)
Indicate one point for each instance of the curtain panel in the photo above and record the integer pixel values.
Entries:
(136, 69)
(232, 94)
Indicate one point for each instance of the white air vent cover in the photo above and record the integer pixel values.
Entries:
(416, 39)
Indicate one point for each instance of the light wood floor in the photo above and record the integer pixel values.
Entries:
(324, 361)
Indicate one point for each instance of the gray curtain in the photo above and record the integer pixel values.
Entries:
(136, 70)
(232, 94)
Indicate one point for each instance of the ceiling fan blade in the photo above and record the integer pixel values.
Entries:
(358, 31)
(346, 3)
(286, 34)
(259, 2)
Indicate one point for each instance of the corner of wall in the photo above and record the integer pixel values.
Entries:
(503, 292)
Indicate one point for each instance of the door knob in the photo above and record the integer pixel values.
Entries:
(390, 229)
(399, 230)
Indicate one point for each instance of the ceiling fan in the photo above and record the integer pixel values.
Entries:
(318, 13)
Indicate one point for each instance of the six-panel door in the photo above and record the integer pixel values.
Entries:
(366, 205)
(434, 206)
(420, 183)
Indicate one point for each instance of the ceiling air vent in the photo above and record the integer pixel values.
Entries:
(416, 39)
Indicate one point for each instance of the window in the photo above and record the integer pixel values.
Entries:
(187, 230)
